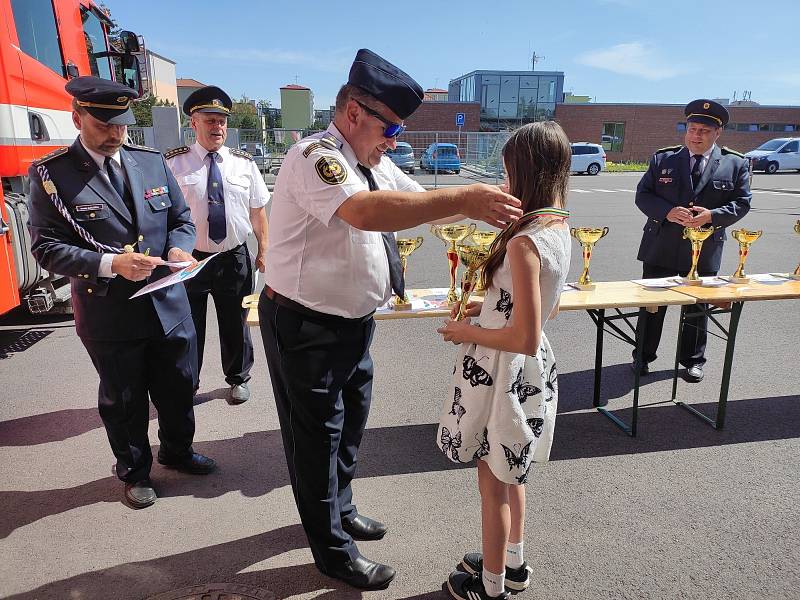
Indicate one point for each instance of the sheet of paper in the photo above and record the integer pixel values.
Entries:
(177, 277)
(176, 264)
(660, 282)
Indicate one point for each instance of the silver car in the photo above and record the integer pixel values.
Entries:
(402, 156)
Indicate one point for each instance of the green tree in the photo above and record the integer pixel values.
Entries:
(243, 114)
(143, 110)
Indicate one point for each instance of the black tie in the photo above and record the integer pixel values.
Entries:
(390, 243)
(118, 182)
(216, 201)
(697, 171)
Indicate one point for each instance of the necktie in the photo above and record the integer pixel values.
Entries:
(390, 243)
(216, 201)
(118, 183)
(697, 171)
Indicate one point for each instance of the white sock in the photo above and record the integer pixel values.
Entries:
(493, 584)
(514, 556)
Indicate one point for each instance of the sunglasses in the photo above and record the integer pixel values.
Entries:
(392, 129)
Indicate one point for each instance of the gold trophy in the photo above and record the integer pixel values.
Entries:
(483, 239)
(588, 237)
(745, 237)
(796, 274)
(405, 246)
(450, 235)
(473, 258)
(696, 235)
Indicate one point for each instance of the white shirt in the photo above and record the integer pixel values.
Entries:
(242, 184)
(704, 161)
(314, 257)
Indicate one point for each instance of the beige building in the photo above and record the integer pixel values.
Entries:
(435, 95)
(186, 87)
(163, 80)
(297, 107)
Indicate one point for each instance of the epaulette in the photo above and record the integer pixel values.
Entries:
(145, 148)
(176, 151)
(329, 140)
(242, 153)
(669, 149)
(51, 155)
(726, 150)
(310, 148)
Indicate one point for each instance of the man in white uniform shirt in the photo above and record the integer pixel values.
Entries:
(227, 195)
(328, 268)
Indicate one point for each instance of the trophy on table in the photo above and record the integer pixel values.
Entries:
(588, 237)
(450, 235)
(696, 235)
(745, 237)
(473, 258)
(483, 239)
(405, 246)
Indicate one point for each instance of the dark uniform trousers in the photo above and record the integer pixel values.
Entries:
(694, 334)
(228, 279)
(161, 367)
(321, 373)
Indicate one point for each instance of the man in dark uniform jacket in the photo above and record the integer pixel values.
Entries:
(105, 213)
(694, 185)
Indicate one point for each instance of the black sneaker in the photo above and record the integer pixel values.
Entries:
(469, 587)
(516, 579)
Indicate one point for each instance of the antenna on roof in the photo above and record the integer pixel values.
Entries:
(535, 58)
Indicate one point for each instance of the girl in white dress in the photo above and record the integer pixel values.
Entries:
(502, 407)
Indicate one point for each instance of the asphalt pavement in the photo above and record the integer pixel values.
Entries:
(682, 511)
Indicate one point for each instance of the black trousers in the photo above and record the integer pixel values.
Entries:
(321, 373)
(162, 367)
(694, 335)
(228, 278)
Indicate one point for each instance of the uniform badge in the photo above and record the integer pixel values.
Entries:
(155, 192)
(49, 187)
(665, 180)
(330, 170)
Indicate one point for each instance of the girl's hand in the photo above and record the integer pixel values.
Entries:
(456, 331)
(473, 309)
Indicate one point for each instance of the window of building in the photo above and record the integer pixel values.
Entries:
(490, 99)
(37, 32)
(508, 110)
(547, 89)
(680, 127)
(509, 89)
(95, 43)
(782, 127)
(612, 137)
(467, 93)
(545, 111)
(528, 82)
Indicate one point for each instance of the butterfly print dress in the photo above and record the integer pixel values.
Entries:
(502, 406)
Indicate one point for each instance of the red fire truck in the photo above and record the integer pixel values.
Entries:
(43, 44)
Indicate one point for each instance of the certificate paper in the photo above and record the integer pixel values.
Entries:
(177, 277)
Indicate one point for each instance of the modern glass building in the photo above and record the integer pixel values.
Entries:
(510, 98)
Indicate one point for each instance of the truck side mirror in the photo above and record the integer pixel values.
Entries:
(72, 70)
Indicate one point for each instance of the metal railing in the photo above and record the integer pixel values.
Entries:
(136, 135)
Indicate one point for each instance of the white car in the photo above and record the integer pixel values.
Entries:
(588, 158)
(776, 155)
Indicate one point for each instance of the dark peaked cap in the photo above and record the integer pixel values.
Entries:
(706, 112)
(105, 100)
(210, 99)
(380, 78)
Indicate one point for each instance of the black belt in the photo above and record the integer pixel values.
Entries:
(313, 315)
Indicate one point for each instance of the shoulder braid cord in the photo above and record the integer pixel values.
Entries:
(51, 191)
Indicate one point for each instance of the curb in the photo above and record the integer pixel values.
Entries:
(782, 190)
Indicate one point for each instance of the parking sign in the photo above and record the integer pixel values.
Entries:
(460, 119)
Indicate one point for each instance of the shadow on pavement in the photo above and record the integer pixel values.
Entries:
(254, 463)
(217, 563)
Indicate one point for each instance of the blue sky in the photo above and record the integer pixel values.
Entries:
(612, 50)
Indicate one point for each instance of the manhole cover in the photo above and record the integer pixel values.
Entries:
(216, 591)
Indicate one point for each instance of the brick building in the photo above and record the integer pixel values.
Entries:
(441, 116)
(631, 132)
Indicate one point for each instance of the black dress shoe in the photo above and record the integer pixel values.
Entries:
(140, 494)
(643, 367)
(363, 573)
(694, 374)
(196, 464)
(363, 528)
